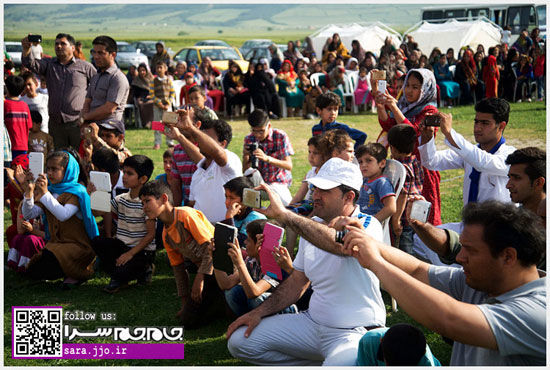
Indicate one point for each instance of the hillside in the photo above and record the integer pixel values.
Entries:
(171, 20)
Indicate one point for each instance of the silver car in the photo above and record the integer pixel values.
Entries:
(127, 55)
(14, 49)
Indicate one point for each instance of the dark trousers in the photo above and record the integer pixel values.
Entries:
(213, 305)
(45, 266)
(65, 134)
(109, 249)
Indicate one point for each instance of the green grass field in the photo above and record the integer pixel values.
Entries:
(156, 305)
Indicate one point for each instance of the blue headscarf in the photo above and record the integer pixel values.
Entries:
(70, 185)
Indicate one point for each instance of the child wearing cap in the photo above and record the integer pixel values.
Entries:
(161, 90)
(107, 134)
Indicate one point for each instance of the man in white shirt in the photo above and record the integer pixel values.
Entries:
(346, 299)
(485, 168)
(215, 164)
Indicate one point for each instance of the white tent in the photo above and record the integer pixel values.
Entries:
(455, 34)
(371, 36)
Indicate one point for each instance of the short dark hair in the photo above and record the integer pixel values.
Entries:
(108, 42)
(155, 189)
(377, 150)
(499, 108)
(36, 116)
(345, 189)
(167, 153)
(327, 99)
(403, 138)
(534, 158)
(15, 85)
(255, 227)
(222, 128)
(196, 88)
(505, 225)
(315, 141)
(402, 345)
(238, 184)
(106, 159)
(142, 164)
(29, 75)
(258, 118)
(161, 62)
(69, 38)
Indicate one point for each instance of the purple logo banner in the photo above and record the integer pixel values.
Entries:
(135, 351)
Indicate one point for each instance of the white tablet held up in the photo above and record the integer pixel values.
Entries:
(101, 198)
(36, 163)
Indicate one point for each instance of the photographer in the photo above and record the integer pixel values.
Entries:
(268, 150)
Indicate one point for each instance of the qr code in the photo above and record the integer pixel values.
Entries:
(37, 332)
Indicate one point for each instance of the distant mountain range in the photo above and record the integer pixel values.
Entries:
(174, 19)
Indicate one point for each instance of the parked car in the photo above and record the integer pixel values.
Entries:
(254, 43)
(212, 43)
(220, 56)
(128, 55)
(256, 53)
(149, 48)
(14, 49)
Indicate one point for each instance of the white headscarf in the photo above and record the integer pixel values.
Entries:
(428, 94)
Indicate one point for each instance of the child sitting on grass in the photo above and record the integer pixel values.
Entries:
(69, 223)
(238, 214)
(377, 196)
(187, 235)
(39, 141)
(130, 254)
(402, 139)
(247, 287)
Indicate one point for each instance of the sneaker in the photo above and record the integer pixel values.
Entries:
(529, 100)
(147, 277)
(310, 116)
(114, 286)
(518, 101)
(156, 147)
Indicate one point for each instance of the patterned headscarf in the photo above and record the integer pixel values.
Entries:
(21, 159)
(428, 94)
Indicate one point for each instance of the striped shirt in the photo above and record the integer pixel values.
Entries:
(131, 220)
(161, 90)
(183, 168)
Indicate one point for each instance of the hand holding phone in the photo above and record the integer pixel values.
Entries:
(432, 120)
(36, 164)
(251, 198)
(420, 210)
(382, 86)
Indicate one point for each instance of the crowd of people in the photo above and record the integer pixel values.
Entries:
(479, 283)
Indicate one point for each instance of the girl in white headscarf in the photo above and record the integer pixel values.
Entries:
(419, 99)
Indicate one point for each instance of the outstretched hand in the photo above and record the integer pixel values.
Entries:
(276, 209)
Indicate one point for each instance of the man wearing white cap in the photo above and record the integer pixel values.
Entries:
(346, 299)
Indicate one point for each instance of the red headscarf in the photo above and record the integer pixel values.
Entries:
(469, 67)
(21, 159)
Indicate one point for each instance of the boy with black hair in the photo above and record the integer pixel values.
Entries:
(39, 141)
(108, 134)
(527, 177)
(247, 287)
(327, 105)
(377, 195)
(400, 345)
(272, 152)
(130, 254)
(215, 164)
(238, 214)
(402, 139)
(197, 98)
(186, 235)
(17, 116)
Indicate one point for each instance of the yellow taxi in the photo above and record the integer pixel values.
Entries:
(220, 56)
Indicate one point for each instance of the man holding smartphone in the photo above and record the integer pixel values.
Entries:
(65, 99)
(346, 299)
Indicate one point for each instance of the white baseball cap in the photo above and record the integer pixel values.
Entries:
(336, 172)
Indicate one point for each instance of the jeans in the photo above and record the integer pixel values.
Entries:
(239, 303)
(406, 240)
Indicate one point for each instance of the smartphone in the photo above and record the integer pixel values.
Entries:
(379, 75)
(157, 126)
(223, 234)
(170, 118)
(273, 236)
(36, 163)
(35, 38)
(432, 120)
(420, 210)
(382, 86)
(252, 198)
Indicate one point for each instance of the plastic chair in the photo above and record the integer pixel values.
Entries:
(314, 78)
(395, 172)
(348, 91)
